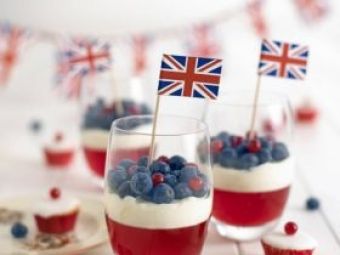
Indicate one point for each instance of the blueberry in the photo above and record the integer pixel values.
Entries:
(131, 170)
(116, 177)
(125, 189)
(187, 173)
(171, 180)
(158, 166)
(126, 163)
(143, 161)
(19, 230)
(264, 156)
(312, 204)
(182, 190)
(141, 183)
(242, 149)
(266, 143)
(143, 169)
(279, 152)
(203, 191)
(177, 162)
(223, 136)
(177, 173)
(35, 126)
(228, 157)
(163, 194)
(248, 161)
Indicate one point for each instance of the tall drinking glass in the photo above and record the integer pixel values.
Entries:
(163, 205)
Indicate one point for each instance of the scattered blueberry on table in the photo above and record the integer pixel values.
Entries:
(312, 204)
(165, 180)
(19, 230)
(99, 115)
(245, 153)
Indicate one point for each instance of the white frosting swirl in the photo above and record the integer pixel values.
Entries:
(48, 207)
(298, 241)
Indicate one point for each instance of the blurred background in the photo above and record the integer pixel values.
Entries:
(139, 32)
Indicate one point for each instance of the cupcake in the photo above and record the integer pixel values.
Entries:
(291, 242)
(56, 214)
(59, 152)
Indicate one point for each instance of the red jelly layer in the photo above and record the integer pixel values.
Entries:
(60, 159)
(269, 250)
(96, 158)
(249, 208)
(127, 240)
(58, 224)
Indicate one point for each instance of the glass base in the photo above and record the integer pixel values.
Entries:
(241, 233)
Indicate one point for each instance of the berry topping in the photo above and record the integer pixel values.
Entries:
(163, 159)
(141, 183)
(158, 166)
(196, 183)
(312, 204)
(248, 161)
(182, 190)
(19, 230)
(163, 194)
(143, 161)
(58, 137)
(187, 173)
(236, 140)
(158, 183)
(177, 162)
(223, 136)
(116, 177)
(55, 193)
(157, 178)
(171, 180)
(291, 228)
(228, 157)
(216, 146)
(254, 146)
(126, 163)
(279, 152)
(125, 189)
(264, 156)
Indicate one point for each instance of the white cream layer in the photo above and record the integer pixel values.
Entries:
(61, 146)
(98, 139)
(48, 207)
(266, 177)
(182, 213)
(299, 241)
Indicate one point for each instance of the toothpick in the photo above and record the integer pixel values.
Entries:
(154, 126)
(255, 103)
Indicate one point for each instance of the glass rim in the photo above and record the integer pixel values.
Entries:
(224, 99)
(202, 127)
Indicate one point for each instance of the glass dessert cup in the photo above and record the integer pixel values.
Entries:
(159, 206)
(252, 171)
(100, 107)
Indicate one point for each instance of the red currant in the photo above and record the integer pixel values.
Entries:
(157, 178)
(55, 193)
(163, 159)
(216, 146)
(196, 183)
(58, 137)
(236, 141)
(291, 228)
(254, 146)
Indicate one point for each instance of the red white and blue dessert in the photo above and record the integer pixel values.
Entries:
(57, 213)
(151, 208)
(291, 242)
(60, 151)
(96, 127)
(252, 178)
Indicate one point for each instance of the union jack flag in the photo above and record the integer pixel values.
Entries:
(11, 41)
(189, 76)
(203, 41)
(79, 58)
(285, 60)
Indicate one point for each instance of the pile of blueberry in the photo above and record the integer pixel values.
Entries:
(244, 153)
(100, 115)
(165, 180)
